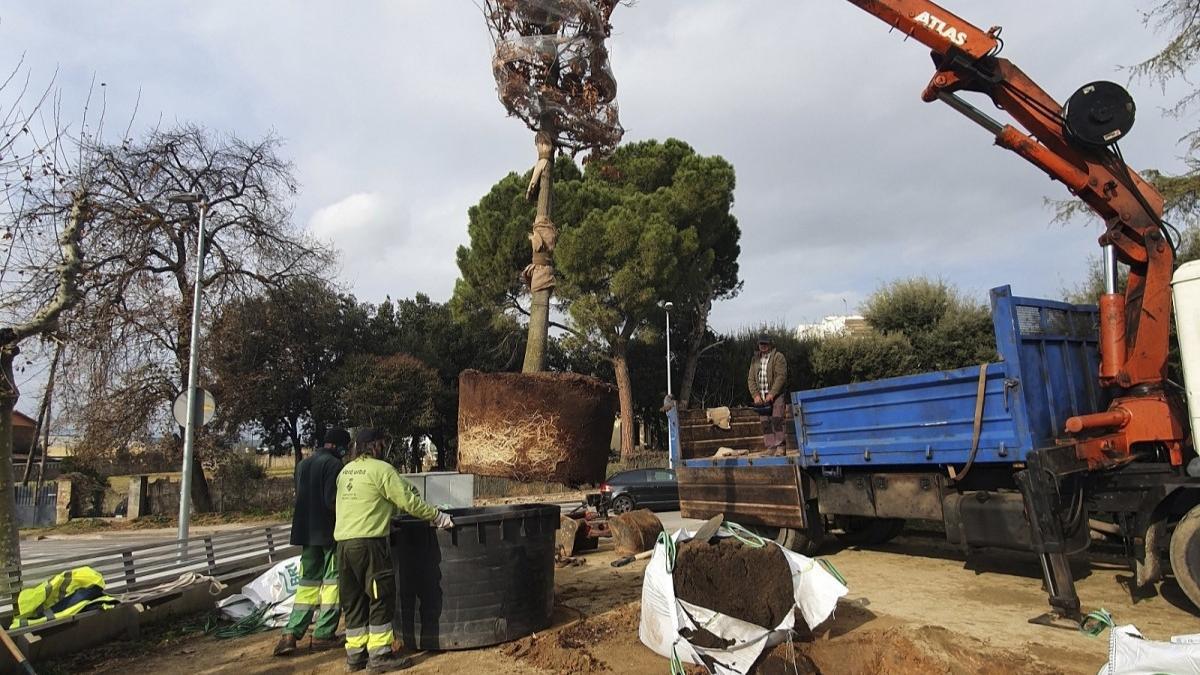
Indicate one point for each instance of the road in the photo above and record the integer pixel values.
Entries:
(49, 547)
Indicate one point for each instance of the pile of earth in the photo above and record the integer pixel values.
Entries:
(744, 582)
(899, 650)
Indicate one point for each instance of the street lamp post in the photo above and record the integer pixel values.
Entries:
(669, 403)
(189, 430)
(668, 307)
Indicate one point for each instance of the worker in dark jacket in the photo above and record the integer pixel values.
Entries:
(369, 492)
(766, 381)
(312, 529)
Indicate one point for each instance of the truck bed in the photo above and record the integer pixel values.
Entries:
(1046, 373)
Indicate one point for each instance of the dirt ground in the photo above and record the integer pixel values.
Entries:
(914, 607)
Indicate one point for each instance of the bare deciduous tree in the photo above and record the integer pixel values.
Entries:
(131, 335)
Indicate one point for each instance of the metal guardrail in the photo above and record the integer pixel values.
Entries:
(135, 568)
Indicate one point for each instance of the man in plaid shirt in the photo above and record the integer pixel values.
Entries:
(766, 381)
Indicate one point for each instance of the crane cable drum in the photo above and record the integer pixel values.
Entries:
(1096, 117)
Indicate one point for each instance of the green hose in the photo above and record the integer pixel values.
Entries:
(668, 544)
(743, 535)
(254, 622)
(1095, 622)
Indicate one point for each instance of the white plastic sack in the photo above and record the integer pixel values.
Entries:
(1131, 654)
(275, 588)
(664, 615)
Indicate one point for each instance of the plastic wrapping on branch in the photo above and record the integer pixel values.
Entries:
(552, 69)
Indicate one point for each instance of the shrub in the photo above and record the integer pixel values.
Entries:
(844, 359)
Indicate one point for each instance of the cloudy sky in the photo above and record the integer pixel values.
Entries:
(845, 178)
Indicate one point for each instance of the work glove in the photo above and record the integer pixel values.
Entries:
(442, 521)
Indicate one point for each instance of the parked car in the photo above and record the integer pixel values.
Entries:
(653, 489)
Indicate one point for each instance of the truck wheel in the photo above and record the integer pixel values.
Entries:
(800, 541)
(861, 531)
(1185, 554)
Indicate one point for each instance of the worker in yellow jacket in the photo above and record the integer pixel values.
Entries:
(369, 493)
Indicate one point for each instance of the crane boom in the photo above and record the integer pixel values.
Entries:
(1135, 325)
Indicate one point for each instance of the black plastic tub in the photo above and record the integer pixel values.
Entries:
(488, 580)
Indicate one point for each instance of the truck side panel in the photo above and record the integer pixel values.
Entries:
(1046, 374)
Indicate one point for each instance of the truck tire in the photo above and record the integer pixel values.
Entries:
(862, 531)
(1185, 554)
(799, 541)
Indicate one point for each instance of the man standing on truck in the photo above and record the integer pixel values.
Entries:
(312, 529)
(369, 493)
(766, 380)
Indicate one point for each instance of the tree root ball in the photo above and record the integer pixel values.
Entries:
(552, 427)
(635, 531)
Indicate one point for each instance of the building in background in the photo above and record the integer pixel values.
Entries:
(852, 324)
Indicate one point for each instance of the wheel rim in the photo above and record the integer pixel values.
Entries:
(623, 505)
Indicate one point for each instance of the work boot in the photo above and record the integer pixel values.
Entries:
(286, 645)
(357, 663)
(388, 663)
(321, 644)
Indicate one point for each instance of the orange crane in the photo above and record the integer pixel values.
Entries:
(1049, 456)
(1076, 144)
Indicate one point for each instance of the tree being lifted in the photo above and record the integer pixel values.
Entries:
(551, 69)
(552, 72)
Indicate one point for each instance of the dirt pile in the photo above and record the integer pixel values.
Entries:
(552, 427)
(751, 584)
(901, 650)
(569, 650)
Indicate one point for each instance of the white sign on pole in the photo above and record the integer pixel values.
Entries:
(205, 403)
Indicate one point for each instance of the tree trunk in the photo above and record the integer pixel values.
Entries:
(294, 436)
(42, 428)
(539, 310)
(10, 544)
(625, 396)
(439, 442)
(695, 344)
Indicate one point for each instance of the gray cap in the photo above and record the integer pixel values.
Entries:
(765, 338)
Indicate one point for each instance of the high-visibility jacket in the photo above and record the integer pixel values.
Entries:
(61, 595)
(369, 492)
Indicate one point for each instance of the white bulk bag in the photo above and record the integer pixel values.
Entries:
(275, 588)
(816, 592)
(1131, 654)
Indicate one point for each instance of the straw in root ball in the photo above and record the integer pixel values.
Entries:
(518, 449)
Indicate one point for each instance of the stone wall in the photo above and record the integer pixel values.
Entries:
(160, 496)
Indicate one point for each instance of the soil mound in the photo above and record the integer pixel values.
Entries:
(751, 584)
(901, 650)
(552, 427)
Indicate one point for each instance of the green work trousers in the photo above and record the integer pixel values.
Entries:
(368, 591)
(317, 594)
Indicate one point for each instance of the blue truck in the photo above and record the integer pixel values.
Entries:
(980, 449)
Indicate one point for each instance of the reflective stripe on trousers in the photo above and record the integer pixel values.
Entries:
(379, 640)
(356, 641)
(328, 595)
(307, 594)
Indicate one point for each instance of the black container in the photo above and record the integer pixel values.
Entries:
(488, 580)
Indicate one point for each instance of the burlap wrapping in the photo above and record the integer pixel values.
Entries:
(539, 274)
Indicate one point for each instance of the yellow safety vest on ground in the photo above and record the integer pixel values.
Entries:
(63, 594)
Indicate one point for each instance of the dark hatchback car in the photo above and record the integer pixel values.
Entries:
(653, 489)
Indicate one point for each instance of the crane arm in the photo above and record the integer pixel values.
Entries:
(1135, 326)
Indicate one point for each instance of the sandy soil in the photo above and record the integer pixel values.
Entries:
(915, 606)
